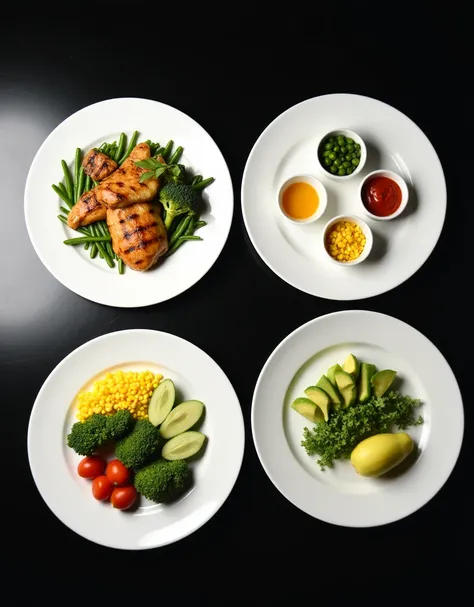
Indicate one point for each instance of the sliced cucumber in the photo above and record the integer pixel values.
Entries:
(181, 418)
(161, 401)
(183, 445)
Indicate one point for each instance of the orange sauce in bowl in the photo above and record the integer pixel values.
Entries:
(300, 200)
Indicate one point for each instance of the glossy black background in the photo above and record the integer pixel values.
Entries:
(237, 313)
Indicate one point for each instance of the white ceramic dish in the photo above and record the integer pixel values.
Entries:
(340, 496)
(401, 184)
(362, 160)
(53, 464)
(92, 278)
(369, 240)
(320, 191)
(288, 146)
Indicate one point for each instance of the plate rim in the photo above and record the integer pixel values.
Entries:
(125, 334)
(301, 328)
(253, 149)
(104, 300)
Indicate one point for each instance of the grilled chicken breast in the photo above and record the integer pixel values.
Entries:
(138, 233)
(98, 165)
(123, 187)
(86, 210)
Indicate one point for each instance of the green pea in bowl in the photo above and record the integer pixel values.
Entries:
(341, 154)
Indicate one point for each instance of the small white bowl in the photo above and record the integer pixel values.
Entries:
(320, 190)
(398, 180)
(369, 239)
(346, 133)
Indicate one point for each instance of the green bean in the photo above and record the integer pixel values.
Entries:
(62, 195)
(182, 226)
(86, 246)
(77, 172)
(200, 224)
(121, 147)
(104, 230)
(88, 183)
(154, 149)
(159, 151)
(190, 229)
(84, 239)
(68, 180)
(101, 247)
(131, 145)
(64, 210)
(167, 151)
(176, 155)
(103, 147)
(62, 187)
(93, 251)
(204, 183)
(80, 185)
(95, 182)
(196, 179)
(190, 237)
(179, 242)
(121, 266)
(84, 231)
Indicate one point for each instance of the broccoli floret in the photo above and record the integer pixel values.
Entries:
(162, 479)
(118, 424)
(177, 176)
(134, 449)
(178, 198)
(86, 436)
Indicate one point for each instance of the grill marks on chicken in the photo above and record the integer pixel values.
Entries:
(138, 234)
(123, 187)
(86, 210)
(98, 165)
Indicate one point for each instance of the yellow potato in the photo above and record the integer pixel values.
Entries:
(380, 453)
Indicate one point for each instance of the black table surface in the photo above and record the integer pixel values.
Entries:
(238, 313)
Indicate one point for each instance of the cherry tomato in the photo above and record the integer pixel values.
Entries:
(101, 488)
(91, 466)
(117, 473)
(123, 497)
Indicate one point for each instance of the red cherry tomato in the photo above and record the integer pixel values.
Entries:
(91, 466)
(101, 488)
(123, 497)
(117, 473)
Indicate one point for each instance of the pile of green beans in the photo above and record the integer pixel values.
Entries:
(96, 236)
(340, 155)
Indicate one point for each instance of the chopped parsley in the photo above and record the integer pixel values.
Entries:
(337, 438)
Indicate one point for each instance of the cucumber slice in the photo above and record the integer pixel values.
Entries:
(181, 418)
(161, 401)
(183, 445)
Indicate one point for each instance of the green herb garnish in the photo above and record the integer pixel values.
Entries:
(156, 168)
(337, 438)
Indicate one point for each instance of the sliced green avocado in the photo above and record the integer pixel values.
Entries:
(330, 373)
(351, 365)
(333, 392)
(367, 370)
(308, 409)
(347, 387)
(381, 381)
(321, 398)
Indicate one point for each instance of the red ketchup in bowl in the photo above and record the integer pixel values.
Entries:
(381, 196)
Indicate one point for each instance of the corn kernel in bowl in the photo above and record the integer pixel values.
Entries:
(345, 241)
(130, 390)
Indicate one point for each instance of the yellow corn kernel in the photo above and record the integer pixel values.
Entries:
(130, 390)
(345, 241)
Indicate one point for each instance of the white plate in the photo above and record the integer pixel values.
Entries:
(53, 464)
(92, 278)
(288, 147)
(339, 495)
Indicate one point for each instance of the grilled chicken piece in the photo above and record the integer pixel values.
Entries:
(98, 165)
(138, 233)
(123, 188)
(86, 210)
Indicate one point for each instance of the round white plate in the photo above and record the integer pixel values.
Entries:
(92, 278)
(288, 147)
(54, 465)
(339, 495)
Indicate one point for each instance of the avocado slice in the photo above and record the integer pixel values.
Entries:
(333, 392)
(352, 365)
(381, 381)
(330, 373)
(367, 370)
(308, 409)
(347, 387)
(321, 398)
